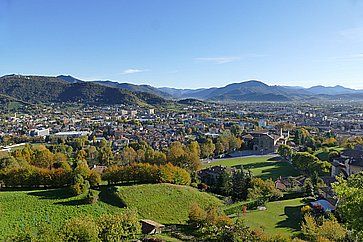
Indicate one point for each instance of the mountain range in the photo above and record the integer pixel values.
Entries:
(65, 88)
(45, 89)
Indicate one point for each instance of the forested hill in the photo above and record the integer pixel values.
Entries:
(45, 89)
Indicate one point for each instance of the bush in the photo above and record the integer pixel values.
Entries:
(197, 216)
(119, 227)
(80, 229)
(80, 185)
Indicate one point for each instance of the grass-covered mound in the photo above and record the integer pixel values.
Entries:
(26, 209)
(164, 203)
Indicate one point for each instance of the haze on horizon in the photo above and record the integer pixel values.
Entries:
(186, 44)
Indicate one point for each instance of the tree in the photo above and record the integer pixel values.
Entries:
(42, 157)
(264, 189)
(175, 153)
(219, 148)
(322, 229)
(197, 216)
(241, 181)
(105, 155)
(128, 155)
(301, 135)
(224, 183)
(330, 142)
(309, 163)
(236, 129)
(350, 206)
(207, 148)
(194, 147)
(285, 151)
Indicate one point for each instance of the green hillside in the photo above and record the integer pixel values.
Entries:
(164, 203)
(44, 89)
(19, 209)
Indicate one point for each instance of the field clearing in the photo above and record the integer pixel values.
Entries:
(164, 203)
(280, 217)
(266, 166)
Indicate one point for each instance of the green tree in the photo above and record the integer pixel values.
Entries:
(105, 155)
(241, 181)
(285, 151)
(207, 148)
(128, 155)
(350, 206)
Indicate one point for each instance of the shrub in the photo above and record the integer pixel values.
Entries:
(80, 185)
(197, 215)
(119, 227)
(80, 229)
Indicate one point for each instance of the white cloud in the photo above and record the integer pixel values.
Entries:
(218, 60)
(133, 71)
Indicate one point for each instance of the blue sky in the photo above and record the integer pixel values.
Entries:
(186, 43)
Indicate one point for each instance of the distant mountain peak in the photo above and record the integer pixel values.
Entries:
(69, 78)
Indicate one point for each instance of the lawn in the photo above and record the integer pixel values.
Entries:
(267, 166)
(280, 217)
(20, 209)
(164, 203)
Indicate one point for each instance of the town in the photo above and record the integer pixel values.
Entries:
(289, 153)
(173, 121)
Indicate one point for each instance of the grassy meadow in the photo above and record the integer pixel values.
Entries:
(280, 217)
(21, 209)
(164, 203)
(266, 166)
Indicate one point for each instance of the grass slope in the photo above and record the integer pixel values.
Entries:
(280, 217)
(20, 209)
(164, 203)
(266, 166)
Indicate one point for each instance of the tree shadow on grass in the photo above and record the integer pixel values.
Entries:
(53, 194)
(280, 169)
(253, 165)
(76, 202)
(110, 197)
(293, 219)
(275, 158)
